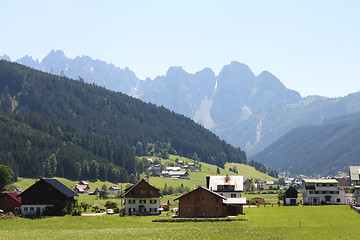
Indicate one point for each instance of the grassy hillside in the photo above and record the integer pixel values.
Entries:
(197, 178)
(310, 222)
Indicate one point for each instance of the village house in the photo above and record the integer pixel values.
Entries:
(80, 188)
(354, 173)
(95, 192)
(142, 199)
(44, 193)
(323, 191)
(202, 202)
(9, 202)
(291, 197)
(227, 186)
(113, 190)
(175, 174)
(173, 169)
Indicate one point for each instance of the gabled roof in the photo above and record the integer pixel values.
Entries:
(57, 185)
(81, 187)
(136, 184)
(354, 173)
(13, 195)
(342, 183)
(204, 188)
(114, 188)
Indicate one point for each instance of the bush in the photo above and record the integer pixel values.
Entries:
(76, 212)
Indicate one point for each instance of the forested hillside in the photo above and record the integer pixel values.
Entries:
(316, 150)
(96, 123)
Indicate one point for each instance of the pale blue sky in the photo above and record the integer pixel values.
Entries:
(311, 46)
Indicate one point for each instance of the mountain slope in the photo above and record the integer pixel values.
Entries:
(316, 150)
(95, 110)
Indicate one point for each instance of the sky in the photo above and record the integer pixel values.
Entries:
(313, 47)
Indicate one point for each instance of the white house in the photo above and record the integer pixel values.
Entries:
(142, 199)
(323, 191)
(227, 186)
(355, 179)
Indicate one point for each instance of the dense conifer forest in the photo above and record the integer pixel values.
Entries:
(52, 125)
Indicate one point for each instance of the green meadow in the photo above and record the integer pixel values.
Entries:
(301, 222)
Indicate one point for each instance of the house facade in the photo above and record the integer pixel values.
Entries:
(354, 173)
(291, 197)
(44, 193)
(9, 202)
(202, 202)
(322, 191)
(142, 199)
(227, 186)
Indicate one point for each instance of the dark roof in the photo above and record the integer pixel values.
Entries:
(133, 186)
(342, 182)
(60, 187)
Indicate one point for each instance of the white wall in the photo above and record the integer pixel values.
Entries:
(33, 209)
(146, 205)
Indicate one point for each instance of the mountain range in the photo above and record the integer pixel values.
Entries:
(69, 128)
(246, 110)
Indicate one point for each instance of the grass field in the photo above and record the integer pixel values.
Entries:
(309, 222)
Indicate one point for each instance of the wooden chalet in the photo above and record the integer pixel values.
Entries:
(291, 197)
(44, 193)
(142, 199)
(9, 202)
(202, 202)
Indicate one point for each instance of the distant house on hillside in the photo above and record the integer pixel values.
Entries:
(173, 169)
(81, 188)
(9, 202)
(142, 199)
(291, 197)
(175, 174)
(45, 193)
(113, 190)
(83, 183)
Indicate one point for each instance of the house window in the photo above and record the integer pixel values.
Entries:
(233, 195)
(316, 192)
(337, 192)
(152, 201)
(25, 208)
(217, 200)
(338, 200)
(331, 192)
(310, 192)
(324, 192)
(132, 201)
(150, 209)
(155, 209)
(331, 184)
(324, 185)
(31, 209)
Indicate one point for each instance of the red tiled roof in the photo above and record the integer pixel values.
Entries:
(14, 196)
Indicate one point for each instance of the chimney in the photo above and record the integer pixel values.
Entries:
(207, 182)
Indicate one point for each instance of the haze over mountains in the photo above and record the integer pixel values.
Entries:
(323, 149)
(247, 111)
